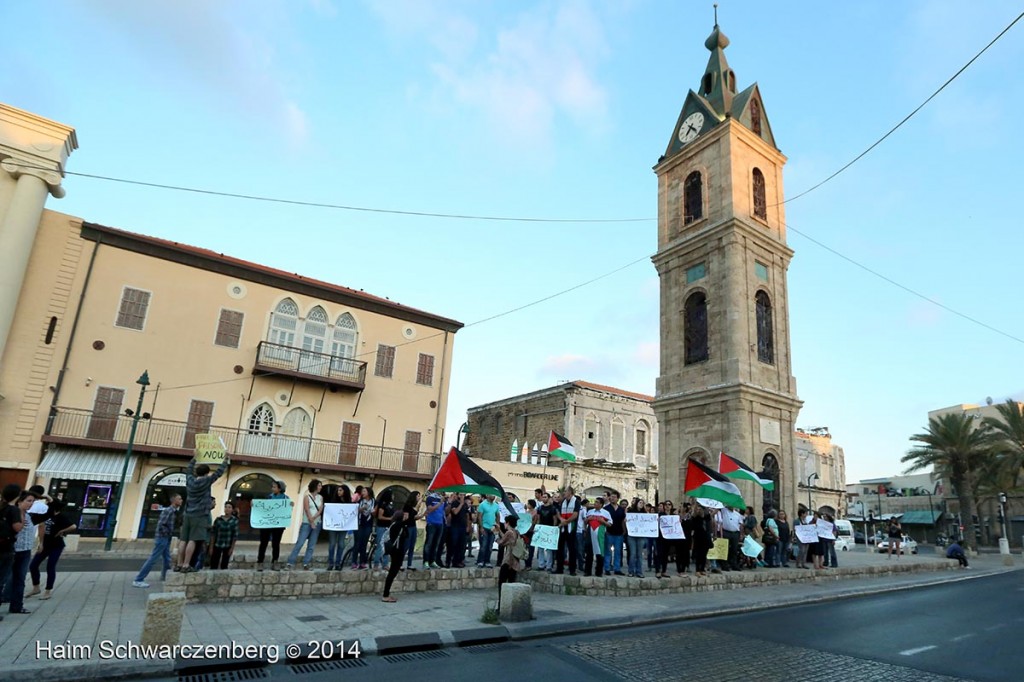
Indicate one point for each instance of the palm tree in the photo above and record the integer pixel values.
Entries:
(956, 451)
(1006, 436)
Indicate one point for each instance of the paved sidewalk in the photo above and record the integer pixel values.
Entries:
(89, 608)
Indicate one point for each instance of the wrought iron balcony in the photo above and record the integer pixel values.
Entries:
(72, 426)
(274, 358)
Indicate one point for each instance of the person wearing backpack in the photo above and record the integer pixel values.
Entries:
(395, 540)
(515, 554)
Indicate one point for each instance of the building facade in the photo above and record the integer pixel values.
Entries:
(300, 378)
(726, 381)
(614, 432)
(821, 466)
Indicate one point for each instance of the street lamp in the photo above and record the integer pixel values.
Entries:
(136, 416)
(931, 511)
(812, 477)
(458, 435)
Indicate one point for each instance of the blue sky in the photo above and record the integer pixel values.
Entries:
(560, 109)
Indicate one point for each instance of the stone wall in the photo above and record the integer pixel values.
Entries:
(493, 428)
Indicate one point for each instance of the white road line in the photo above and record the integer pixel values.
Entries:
(962, 637)
(996, 627)
(913, 652)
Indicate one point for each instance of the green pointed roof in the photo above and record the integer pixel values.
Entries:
(718, 85)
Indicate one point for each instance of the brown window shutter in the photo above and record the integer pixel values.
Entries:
(106, 410)
(134, 306)
(200, 414)
(385, 365)
(349, 443)
(425, 370)
(411, 456)
(229, 328)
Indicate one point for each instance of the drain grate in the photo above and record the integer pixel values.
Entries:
(310, 619)
(416, 656)
(226, 676)
(326, 666)
(488, 648)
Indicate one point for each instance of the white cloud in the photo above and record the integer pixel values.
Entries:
(648, 354)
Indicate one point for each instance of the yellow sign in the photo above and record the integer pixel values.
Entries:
(720, 551)
(210, 449)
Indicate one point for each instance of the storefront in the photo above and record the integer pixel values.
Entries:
(162, 486)
(87, 481)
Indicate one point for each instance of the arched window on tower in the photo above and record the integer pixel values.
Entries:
(695, 328)
(732, 81)
(760, 202)
(693, 200)
(705, 86)
(770, 470)
(755, 116)
(765, 343)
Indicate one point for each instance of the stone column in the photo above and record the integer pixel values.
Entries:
(18, 233)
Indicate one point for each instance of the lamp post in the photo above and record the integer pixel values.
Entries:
(1004, 542)
(812, 477)
(931, 510)
(383, 435)
(136, 416)
(458, 435)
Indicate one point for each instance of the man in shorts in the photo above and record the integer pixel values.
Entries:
(195, 525)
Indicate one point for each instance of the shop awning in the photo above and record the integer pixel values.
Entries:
(83, 464)
(920, 518)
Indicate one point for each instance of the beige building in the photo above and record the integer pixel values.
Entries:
(614, 432)
(822, 470)
(302, 379)
(726, 381)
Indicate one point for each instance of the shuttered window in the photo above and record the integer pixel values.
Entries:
(349, 442)
(229, 328)
(134, 306)
(425, 370)
(200, 414)
(385, 366)
(106, 410)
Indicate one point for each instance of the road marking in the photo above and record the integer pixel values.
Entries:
(996, 627)
(962, 637)
(913, 652)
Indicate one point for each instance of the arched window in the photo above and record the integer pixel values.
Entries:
(760, 203)
(284, 323)
(314, 343)
(618, 441)
(343, 345)
(706, 84)
(770, 470)
(695, 328)
(693, 200)
(732, 81)
(755, 116)
(641, 443)
(591, 435)
(765, 344)
(246, 489)
(261, 421)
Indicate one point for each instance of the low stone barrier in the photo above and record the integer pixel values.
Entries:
(516, 603)
(165, 612)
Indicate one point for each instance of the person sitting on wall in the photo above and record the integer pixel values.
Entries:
(955, 551)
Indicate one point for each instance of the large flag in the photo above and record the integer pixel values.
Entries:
(733, 468)
(559, 446)
(701, 481)
(460, 474)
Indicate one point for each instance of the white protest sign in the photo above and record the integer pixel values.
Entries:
(338, 516)
(524, 523)
(545, 537)
(806, 534)
(751, 547)
(825, 530)
(38, 507)
(642, 525)
(671, 527)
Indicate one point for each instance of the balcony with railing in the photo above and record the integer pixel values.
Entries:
(334, 370)
(71, 426)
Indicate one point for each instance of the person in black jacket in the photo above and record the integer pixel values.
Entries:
(395, 541)
(56, 528)
(700, 530)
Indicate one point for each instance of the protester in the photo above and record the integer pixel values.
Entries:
(271, 535)
(56, 528)
(895, 537)
(685, 545)
(829, 545)
(703, 540)
(10, 526)
(569, 512)
(367, 504)
(336, 538)
(458, 525)
(955, 551)
(435, 529)
(383, 515)
(770, 537)
(785, 538)
(815, 550)
(581, 528)
(753, 530)
(635, 544)
(309, 530)
(396, 537)
(486, 527)
(224, 537)
(196, 523)
(514, 554)
(547, 515)
(615, 537)
(161, 545)
(14, 590)
(413, 502)
(805, 547)
(597, 522)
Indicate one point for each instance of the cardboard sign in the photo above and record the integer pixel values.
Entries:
(338, 516)
(825, 530)
(210, 449)
(720, 552)
(671, 527)
(271, 513)
(751, 547)
(525, 522)
(807, 535)
(545, 537)
(642, 525)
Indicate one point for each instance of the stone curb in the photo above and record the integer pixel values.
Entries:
(106, 670)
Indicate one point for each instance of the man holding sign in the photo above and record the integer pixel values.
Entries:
(195, 525)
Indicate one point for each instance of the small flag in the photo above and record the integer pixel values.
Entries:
(702, 481)
(559, 446)
(460, 474)
(733, 468)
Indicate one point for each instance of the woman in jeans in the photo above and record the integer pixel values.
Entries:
(635, 544)
(336, 544)
(367, 501)
(57, 526)
(309, 531)
(785, 538)
(271, 536)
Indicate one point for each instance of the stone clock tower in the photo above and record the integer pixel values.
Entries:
(726, 382)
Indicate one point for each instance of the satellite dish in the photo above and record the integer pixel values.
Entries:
(988, 400)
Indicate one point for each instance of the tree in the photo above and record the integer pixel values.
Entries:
(957, 451)
(1006, 438)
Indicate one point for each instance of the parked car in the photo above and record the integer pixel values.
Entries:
(844, 543)
(909, 545)
(858, 537)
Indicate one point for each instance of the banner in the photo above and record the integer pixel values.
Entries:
(338, 516)
(545, 537)
(825, 530)
(671, 527)
(271, 513)
(525, 522)
(210, 449)
(720, 551)
(806, 534)
(642, 525)
(751, 547)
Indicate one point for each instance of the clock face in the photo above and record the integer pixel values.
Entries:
(691, 127)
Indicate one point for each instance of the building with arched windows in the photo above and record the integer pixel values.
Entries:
(300, 378)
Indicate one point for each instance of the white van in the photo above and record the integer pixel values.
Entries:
(844, 535)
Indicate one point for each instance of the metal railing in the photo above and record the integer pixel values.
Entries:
(334, 368)
(179, 437)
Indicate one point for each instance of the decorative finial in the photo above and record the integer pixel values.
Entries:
(716, 13)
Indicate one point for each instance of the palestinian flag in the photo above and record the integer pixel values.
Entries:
(701, 481)
(559, 446)
(733, 468)
(460, 474)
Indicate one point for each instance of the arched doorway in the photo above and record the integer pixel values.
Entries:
(770, 470)
(246, 489)
(400, 492)
(158, 495)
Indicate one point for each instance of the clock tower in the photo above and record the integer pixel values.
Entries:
(726, 383)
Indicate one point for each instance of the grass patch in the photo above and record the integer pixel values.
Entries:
(490, 616)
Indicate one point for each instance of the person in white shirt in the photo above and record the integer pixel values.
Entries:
(597, 521)
(731, 523)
